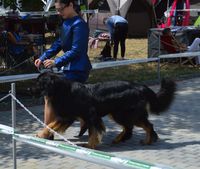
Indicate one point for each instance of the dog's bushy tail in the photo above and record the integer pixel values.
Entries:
(161, 101)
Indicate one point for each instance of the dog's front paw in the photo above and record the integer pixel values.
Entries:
(45, 134)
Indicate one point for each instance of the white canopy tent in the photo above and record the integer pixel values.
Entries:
(119, 6)
(116, 6)
(141, 11)
(48, 4)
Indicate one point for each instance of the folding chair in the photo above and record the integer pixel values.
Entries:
(170, 49)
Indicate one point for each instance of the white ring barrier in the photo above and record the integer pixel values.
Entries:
(93, 156)
(99, 65)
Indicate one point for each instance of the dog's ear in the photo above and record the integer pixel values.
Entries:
(44, 82)
(52, 84)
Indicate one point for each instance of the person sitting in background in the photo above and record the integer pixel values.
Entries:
(118, 29)
(172, 45)
(19, 48)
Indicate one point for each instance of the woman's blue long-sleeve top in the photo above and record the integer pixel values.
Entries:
(74, 42)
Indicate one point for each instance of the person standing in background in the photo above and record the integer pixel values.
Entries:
(118, 29)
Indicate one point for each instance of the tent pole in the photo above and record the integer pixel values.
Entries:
(167, 5)
(118, 6)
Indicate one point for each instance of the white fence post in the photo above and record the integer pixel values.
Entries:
(13, 92)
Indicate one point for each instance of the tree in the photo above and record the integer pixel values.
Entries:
(24, 5)
(31, 5)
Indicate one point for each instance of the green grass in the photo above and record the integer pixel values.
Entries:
(137, 48)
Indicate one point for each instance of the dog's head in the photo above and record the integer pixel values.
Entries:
(49, 83)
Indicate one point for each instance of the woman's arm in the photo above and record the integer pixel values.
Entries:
(52, 51)
(79, 45)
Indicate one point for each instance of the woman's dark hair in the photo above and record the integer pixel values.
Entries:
(66, 2)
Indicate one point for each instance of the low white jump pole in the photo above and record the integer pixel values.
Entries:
(94, 156)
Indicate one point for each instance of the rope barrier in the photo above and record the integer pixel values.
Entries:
(35, 117)
(94, 156)
(3, 98)
(43, 124)
(15, 66)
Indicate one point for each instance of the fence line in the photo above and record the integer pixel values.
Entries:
(100, 65)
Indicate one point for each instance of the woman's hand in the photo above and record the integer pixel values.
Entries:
(49, 63)
(37, 63)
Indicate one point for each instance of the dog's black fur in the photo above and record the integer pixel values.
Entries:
(127, 103)
(105, 54)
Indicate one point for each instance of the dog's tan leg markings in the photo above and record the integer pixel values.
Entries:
(56, 126)
(83, 127)
(49, 115)
(94, 139)
(148, 134)
(124, 135)
(82, 122)
(95, 136)
(59, 127)
(119, 137)
(151, 135)
(44, 133)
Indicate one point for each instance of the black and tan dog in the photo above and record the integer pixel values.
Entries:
(127, 103)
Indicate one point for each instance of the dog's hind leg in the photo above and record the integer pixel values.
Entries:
(83, 127)
(151, 135)
(94, 138)
(95, 134)
(124, 135)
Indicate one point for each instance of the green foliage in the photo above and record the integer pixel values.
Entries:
(26, 5)
(11, 3)
(32, 5)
